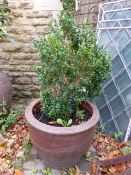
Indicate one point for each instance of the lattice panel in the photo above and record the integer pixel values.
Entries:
(114, 33)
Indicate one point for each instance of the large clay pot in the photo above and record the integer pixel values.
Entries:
(5, 90)
(61, 147)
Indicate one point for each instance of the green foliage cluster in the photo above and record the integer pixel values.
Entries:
(7, 119)
(46, 171)
(118, 135)
(126, 150)
(4, 16)
(27, 147)
(73, 67)
(68, 5)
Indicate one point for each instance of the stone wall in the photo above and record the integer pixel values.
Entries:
(17, 59)
(89, 11)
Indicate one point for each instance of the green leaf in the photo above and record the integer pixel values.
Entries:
(69, 122)
(47, 171)
(59, 121)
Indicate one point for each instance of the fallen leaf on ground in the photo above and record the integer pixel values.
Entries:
(74, 171)
(109, 148)
(94, 168)
(18, 172)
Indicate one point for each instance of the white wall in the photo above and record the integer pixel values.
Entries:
(48, 4)
(53, 5)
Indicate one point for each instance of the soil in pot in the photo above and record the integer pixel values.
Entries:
(76, 120)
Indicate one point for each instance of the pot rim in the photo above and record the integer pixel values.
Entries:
(75, 129)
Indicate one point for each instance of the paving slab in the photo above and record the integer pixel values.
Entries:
(35, 162)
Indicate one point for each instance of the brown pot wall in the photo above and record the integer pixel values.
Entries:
(61, 147)
(5, 90)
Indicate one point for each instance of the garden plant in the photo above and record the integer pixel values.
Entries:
(73, 67)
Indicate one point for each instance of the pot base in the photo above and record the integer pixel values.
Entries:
(61, 147)
(59, 163)
(61, 151)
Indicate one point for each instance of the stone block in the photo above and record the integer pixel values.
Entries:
(8, 67)
(23, 68)
(31, 87)
(31, 74)
(16, 74)
(17, 87)
(35, 81)
(23, 81)
(25, 62)
(34, 38)
(12, 47)
(35, 56)
(93, 7)
(83, 2)
(24, 22)
(40, 22)
(93, 1)
(3, 61)
(27, 93)
(42, 29)
(21, 56)
(4, 55)
(14, 94)
(17, 13)
(28, 48)
(21, 38)
(25, 5)
(28, 30)
(14, 62)
(14, 30)
(13, 5)
(38, 14)
(92, 17)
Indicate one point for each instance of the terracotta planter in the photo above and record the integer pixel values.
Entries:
(61, 146)
(5, 89)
